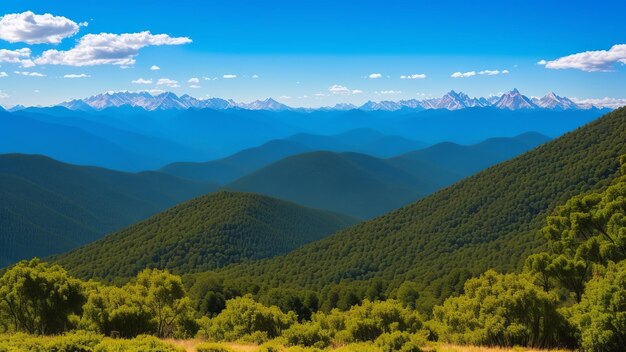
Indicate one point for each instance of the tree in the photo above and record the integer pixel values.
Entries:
(244, 317)
(601, 315)
(587, 230)
(165, 299)
(408, 294)
(111, 308)
(39, 298)
(503, 310)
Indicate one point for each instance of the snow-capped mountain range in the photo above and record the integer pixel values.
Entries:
(512, 100)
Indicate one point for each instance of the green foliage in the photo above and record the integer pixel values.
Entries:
(212, 347)
(408, 293)
(155, 303)
(123, 310)
(38, 298)
(303, 303)
(205, 233)
(588, 229)
(82, 342)
(398, 341)
(244, 318)
(601, 315)
(51, 207)
(365, 322)
(165, 299)
(490, 220)
(503, 310)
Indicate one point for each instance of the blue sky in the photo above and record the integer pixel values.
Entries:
(313, 53)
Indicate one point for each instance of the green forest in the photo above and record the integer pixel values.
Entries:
(205, 233)
(569, 295)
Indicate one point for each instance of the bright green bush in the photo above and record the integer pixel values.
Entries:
(244, 318)
(39, 298)
(601, 315)
(308, 334)
(142, 343)
(212, 347)
(111, 308)
(82, 342)
(398, 341)
(502, 310)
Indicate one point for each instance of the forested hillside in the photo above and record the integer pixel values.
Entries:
(350, 183)
(365, 186)
(490, 220)
(205, 233)
(49, 207)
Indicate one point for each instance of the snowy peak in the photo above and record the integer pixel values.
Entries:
(555, 102)
(514, 100)
(267, 104)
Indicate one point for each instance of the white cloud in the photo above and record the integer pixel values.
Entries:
(209, 78)
(194, 86)
(413, 76)
(194, 80)
(343, 90)
(73, 75)
(606, 102)
(255, 76)
(142, 81)
(30, 28)
(590, 61)
(18, 56)
(168, 82)
(31, 74)
(389, 92)
(107, 49)
(284, 97)
(375, 75)
(463, 74)
(320, 94)
(3, 74)
(3, 95)
(493, 72)
(229, 76)
(155, 68)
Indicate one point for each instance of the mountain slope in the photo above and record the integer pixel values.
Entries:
(364, 186)
(228, 169)
(466, 160)
(349, 183)
(490, 220)
(49, 207)
(208, 232)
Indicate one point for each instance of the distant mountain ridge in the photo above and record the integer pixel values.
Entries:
(512, 100)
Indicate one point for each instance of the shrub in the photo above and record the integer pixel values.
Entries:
(398, 341)
(503, 310)
(39, 298)
(308, 334)
(244, 318)
(601, 315)
(212, 347)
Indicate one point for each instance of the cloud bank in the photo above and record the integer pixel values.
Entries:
(590, 61)
(30, 28)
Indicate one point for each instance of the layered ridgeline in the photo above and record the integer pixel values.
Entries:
(138, 131)
(228, 169)
(204, 233)
(490, 220)
(365, 186)
(49, 207)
